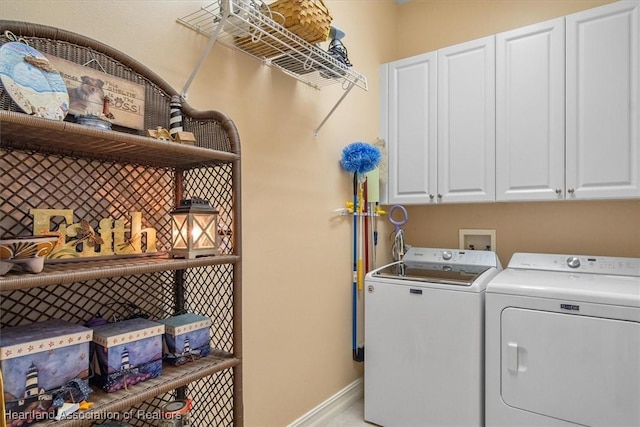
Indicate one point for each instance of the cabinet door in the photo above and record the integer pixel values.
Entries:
(530, 112)
(466, 122)
(603, 97)
(411, 125)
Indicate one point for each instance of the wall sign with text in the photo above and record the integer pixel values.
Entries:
(88, 87)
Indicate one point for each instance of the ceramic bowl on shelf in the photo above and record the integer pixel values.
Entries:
(27, 251)
(94, 122)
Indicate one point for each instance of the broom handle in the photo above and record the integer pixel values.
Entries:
(365, 204)
(354, 331)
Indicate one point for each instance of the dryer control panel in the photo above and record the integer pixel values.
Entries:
(616, 266)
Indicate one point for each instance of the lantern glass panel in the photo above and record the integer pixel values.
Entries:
(204, 231)
(179, 231)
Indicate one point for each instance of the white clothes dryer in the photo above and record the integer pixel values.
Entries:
(424, 338)
(563, 342)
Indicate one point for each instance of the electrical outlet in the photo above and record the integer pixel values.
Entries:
(479, 240)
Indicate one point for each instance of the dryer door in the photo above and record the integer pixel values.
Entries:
(580, 369)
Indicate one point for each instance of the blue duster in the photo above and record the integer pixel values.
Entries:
(360, 157)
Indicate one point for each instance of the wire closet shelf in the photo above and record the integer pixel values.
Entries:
(249, 26)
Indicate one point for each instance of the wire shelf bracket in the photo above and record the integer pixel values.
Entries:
(244, 26)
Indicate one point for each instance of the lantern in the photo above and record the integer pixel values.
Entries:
(194, 228)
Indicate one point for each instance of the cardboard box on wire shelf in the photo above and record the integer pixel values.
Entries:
(126, 353)
(187, 337)
(41, 363)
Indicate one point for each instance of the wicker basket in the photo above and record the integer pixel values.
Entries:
(308, 19)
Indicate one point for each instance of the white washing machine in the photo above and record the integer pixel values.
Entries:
(424, 338)
(563, 342)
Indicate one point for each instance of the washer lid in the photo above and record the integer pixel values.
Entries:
(433, 273)
(585, 287)
(441, 266)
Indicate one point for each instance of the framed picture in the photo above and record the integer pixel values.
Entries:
(87, 89)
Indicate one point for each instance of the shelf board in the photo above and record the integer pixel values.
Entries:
(25, 132)
(76, 271)
(172, 377)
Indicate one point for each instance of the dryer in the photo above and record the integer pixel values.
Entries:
(563, 342)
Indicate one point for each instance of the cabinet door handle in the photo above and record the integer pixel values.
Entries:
(570, 190)
(558, 190)
(431, 196)
(439, 196)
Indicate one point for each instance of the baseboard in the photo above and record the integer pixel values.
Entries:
(332, 406)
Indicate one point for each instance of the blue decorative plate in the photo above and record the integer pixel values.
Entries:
(31, 81)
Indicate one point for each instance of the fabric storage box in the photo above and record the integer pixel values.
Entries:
(42, 362)
(186, 337)
(126, 353)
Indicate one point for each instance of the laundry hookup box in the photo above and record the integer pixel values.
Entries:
(42, 362)
(126, 353)
(187, 337)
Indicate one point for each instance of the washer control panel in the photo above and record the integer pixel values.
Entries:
(617, 266)
(428, 256)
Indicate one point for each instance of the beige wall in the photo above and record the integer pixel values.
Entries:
(297, 259)
(431, 24)
(589, 228)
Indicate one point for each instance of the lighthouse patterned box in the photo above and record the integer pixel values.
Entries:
(186, 338)
(37, 360)
(126, 353)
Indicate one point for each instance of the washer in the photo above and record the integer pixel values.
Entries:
(563, 342)
(424, 338)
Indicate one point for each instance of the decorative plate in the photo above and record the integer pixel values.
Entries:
(33, 84)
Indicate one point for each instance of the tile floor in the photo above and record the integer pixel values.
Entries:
(353, 416)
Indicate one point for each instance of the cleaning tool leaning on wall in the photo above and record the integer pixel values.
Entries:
(358, 158)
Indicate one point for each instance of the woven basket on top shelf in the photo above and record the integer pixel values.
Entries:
(308, 19)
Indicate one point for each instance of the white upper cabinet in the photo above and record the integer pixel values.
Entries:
(409, 116)
(466, 122)
(550, 111)
(603, 102)
(530, 112)
(438, 116)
